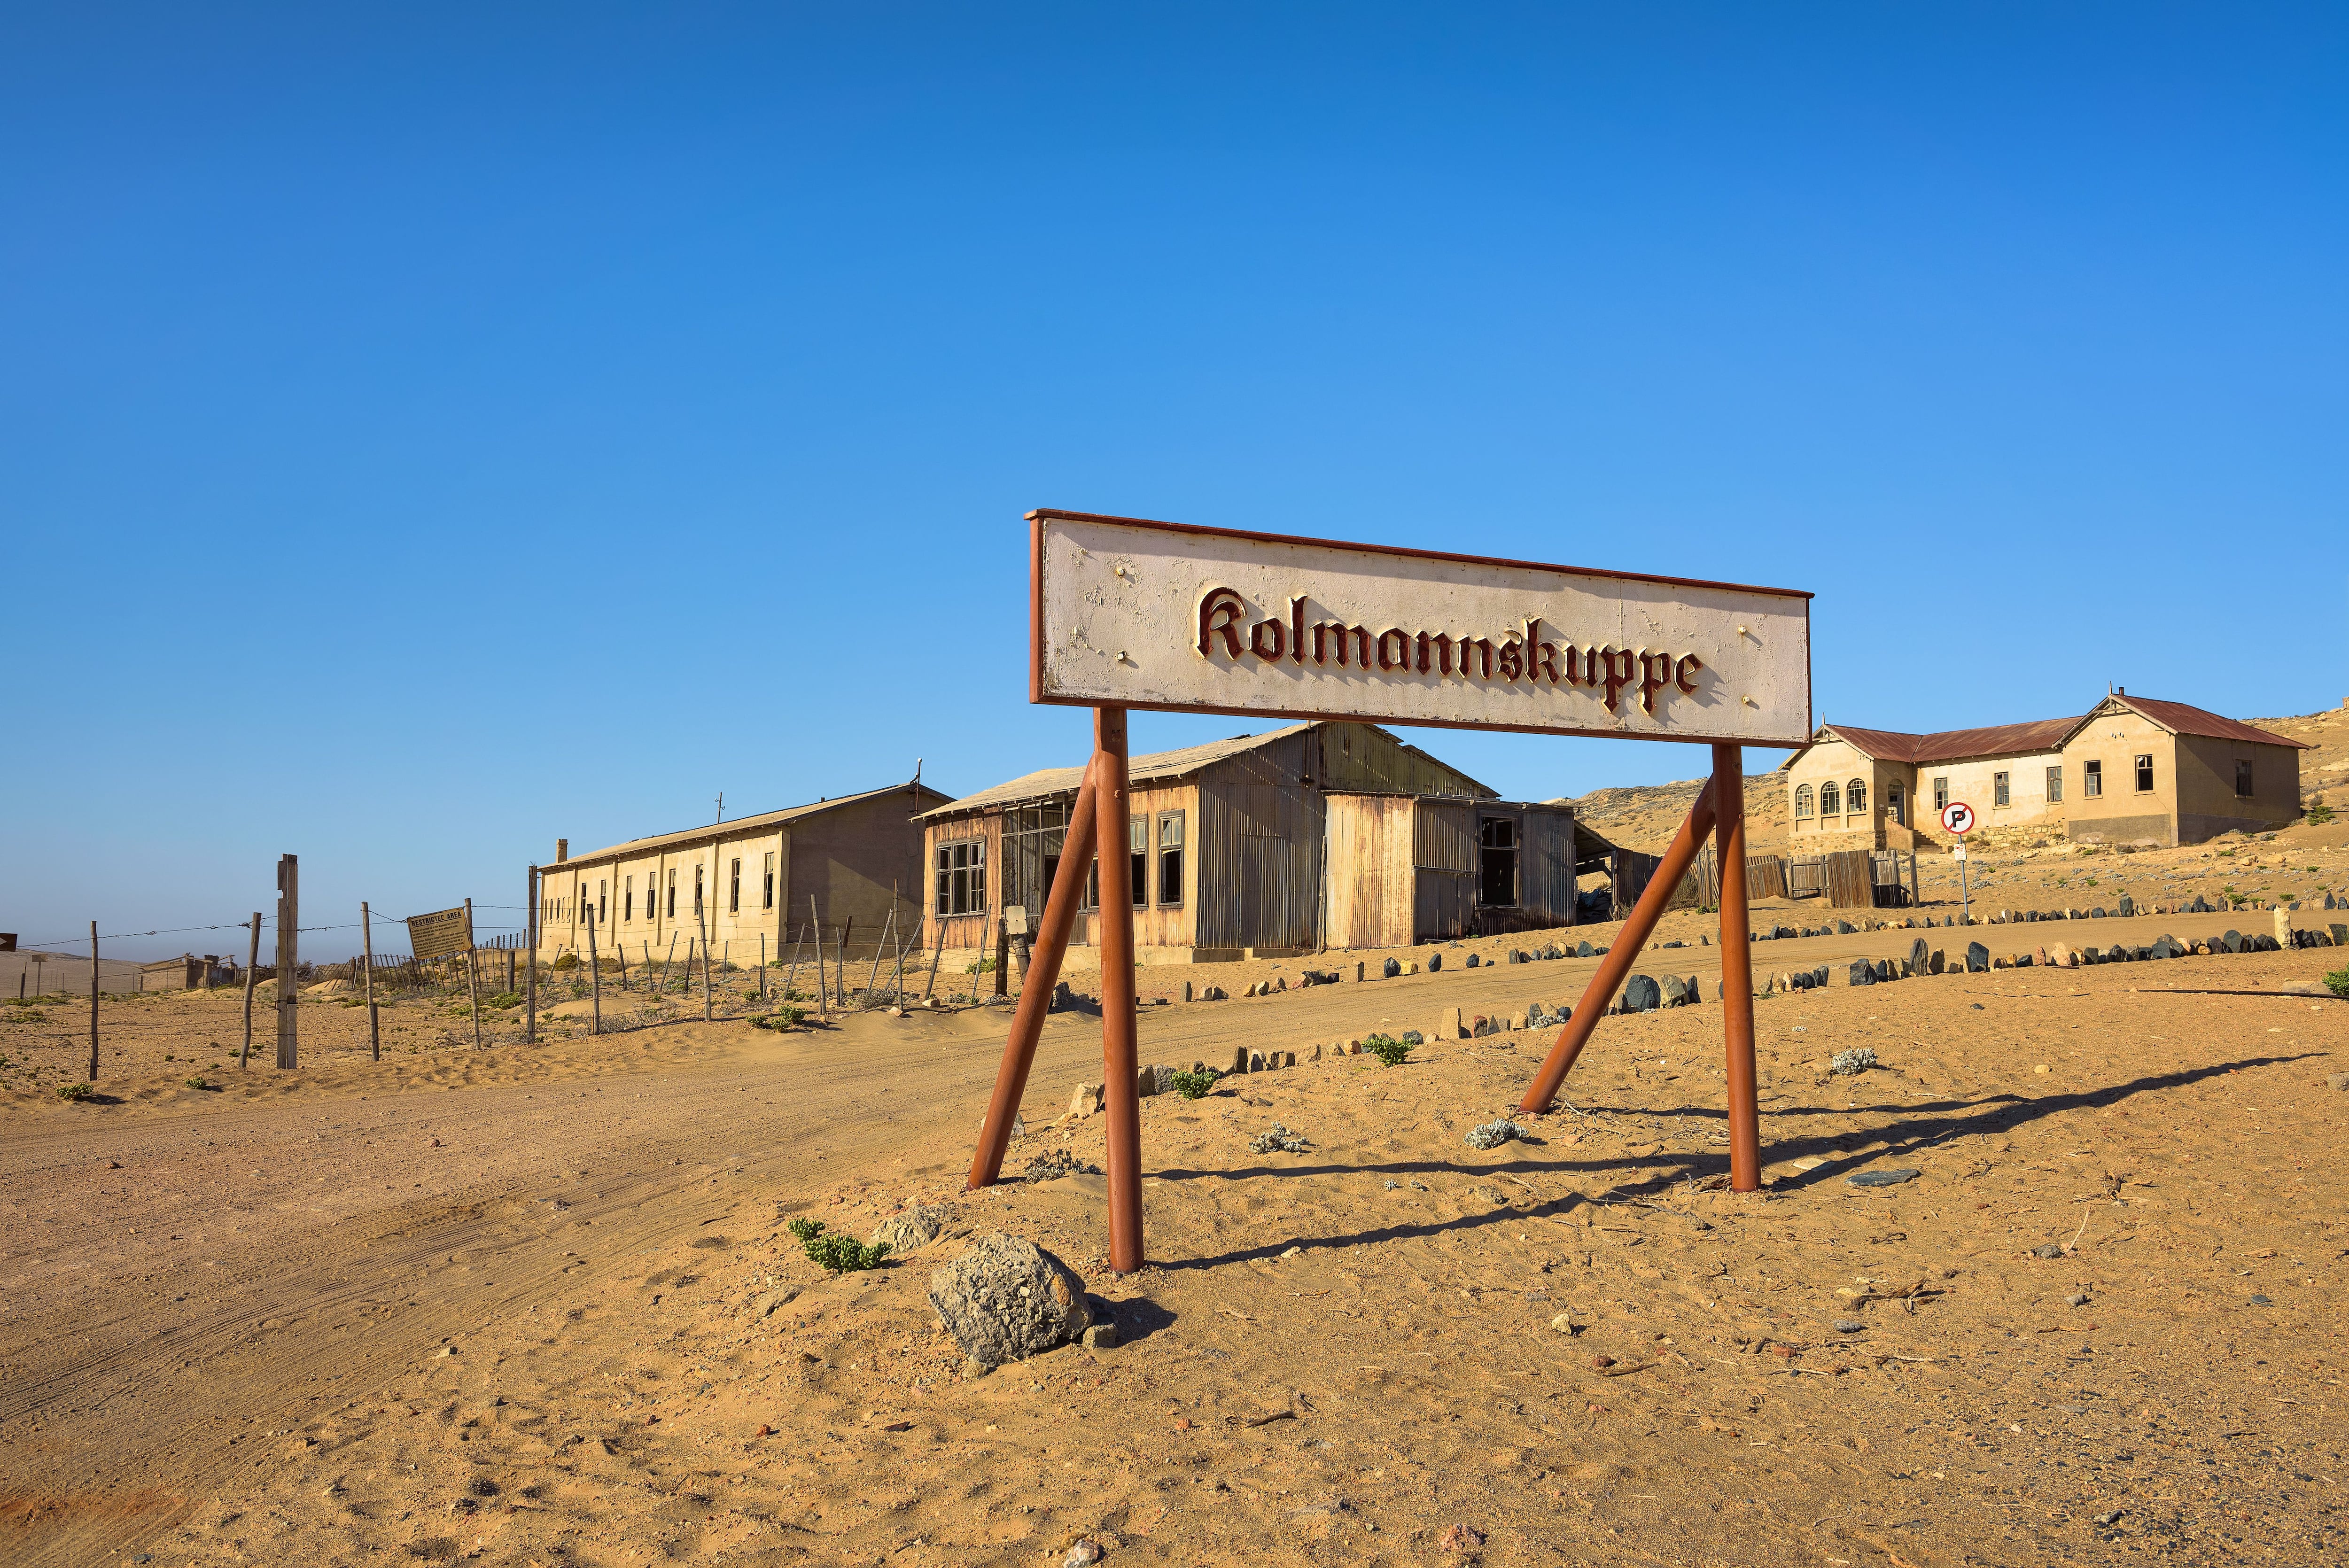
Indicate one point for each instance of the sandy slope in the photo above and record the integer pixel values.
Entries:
(534, 1305)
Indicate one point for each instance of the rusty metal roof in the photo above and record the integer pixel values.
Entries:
(763, 821)
(2184, 718)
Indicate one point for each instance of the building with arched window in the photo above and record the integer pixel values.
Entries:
(2130, 770)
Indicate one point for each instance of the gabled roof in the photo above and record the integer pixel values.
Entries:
(761, 822)
(1948, 745)
(2184, 718)
(1156, 768)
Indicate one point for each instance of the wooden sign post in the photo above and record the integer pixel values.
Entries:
(289, 957)
(1127, 613)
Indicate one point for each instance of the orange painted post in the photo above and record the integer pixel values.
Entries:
(1621, 955)
(1120, 1095)
(1736, 967)
(1036, 994)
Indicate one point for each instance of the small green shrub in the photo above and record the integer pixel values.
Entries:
(73, 1091)
(1193, 1085)
(568, 961)
(2338, 982)
(503, 999)
(839, 1253)
(2319, 814)
(197, 1083)
(1390, 1051)
(780, 1019)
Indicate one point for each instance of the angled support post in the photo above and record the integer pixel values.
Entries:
(1617, 964)
(1036, 994)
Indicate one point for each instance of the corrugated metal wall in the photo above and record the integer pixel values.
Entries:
(1443, 868)
(1259, 850)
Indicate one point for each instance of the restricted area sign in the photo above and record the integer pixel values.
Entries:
(1957, 816)
(441, 932)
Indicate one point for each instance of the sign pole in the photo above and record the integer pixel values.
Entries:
(289, 953)
(1121, 1095)
(1036, 994)
(1736, 967)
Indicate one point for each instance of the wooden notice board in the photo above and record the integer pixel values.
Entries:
(440, 933)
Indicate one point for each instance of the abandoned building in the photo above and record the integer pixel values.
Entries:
(850, 866)
(2130, 770)
(1327, 834)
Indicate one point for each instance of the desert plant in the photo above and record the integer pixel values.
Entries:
(568, 961)
(780, 1019)
(839, 1253)
(503, 999)
(197, 1083)
(2319, 814)
(2338, 982)
(73, 1091)
(1193, 1085)
(1390, 1051)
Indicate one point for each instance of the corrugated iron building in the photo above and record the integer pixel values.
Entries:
(1330, 834)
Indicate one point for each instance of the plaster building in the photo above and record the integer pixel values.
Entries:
(842, 863)
(1328, 834)
(2130, 770)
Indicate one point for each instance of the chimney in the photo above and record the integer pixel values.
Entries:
(2120, 691)
(561, 850)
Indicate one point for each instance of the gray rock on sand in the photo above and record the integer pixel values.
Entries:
(1006, 1299)
(917, 1226)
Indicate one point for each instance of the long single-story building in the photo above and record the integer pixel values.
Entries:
(2130, 770)
(841, 865)
(1327, 834)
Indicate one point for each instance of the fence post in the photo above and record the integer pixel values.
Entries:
(252, 965)
(366, 943)
(93, 1002)
(816, 926)
(473, 974)
(530, 925)
(289, 954)
(594, 974)
(702, 921)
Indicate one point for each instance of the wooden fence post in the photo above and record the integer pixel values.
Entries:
(93, 1002)
(367, 944)
(702, 919)
(594, 975)
(289, 957)
(873, 979)
(815, 925)
(473, 974)
(252, 965)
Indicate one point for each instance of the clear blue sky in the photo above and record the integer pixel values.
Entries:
(424, 433)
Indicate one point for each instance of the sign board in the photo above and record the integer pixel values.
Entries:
(1015, 919)
(1957, 816)
(1138, 614)
(1957, 851)
(440, 933)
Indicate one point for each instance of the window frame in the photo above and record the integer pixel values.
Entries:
(1137, 859)
(1805, 799)
(1855, 797)
(628, 900)
(2002, 790)
(1512, 849)
(2244, 784)
(2092, 779)
(1170, 856)
(767, 899)
(2055, 785)
(959, 874)
(2142, 767)
(1940, 794)
(734, 885)
(672, 893)
(1830, 799)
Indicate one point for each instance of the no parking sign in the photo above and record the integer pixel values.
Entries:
(1958, 817)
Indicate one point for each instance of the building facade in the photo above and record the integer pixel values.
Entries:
(1329, 834)
(2130, 770)
(849, 866)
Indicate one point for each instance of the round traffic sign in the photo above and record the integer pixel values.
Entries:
(1958, 816)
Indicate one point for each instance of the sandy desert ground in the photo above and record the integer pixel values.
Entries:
(535, 1304)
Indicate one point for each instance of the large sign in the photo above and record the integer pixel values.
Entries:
(1131, 614)
(440, 933)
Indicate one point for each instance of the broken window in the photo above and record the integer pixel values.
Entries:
(1137, 865)
(2055, 786)
(734, 885)
(2002, 793)
(2243, 778)
(1940, 794)
(1170, 860)
(1496, 862)
(628, 900)
(767, 899)
(2092, 780)
(1855, 795)
(962, 877)
(2144, 771)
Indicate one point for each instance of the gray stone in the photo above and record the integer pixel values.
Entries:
(912, 1228)
(2128, 906)
(1695, 995)
(1920, 956)
(1642, 995)
(1977, 958)
(1434, 961)
(1473, 961)
(1101, 1337)
(1850, 1326)
(1860, 972)
(1391, 968)
(2077, 1298)
(1552, 950)
(2049, 1250)
(1675, 991)
(1858, 1059)
(1584, 950)
(1881, 1178)
(1240, 1059)
(2232, 942)
(1843, 928)
(1255, 1061)
(1006, 1299)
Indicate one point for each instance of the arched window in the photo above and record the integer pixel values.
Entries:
(1855, 795)
(1828, 805)
(1803, 801)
